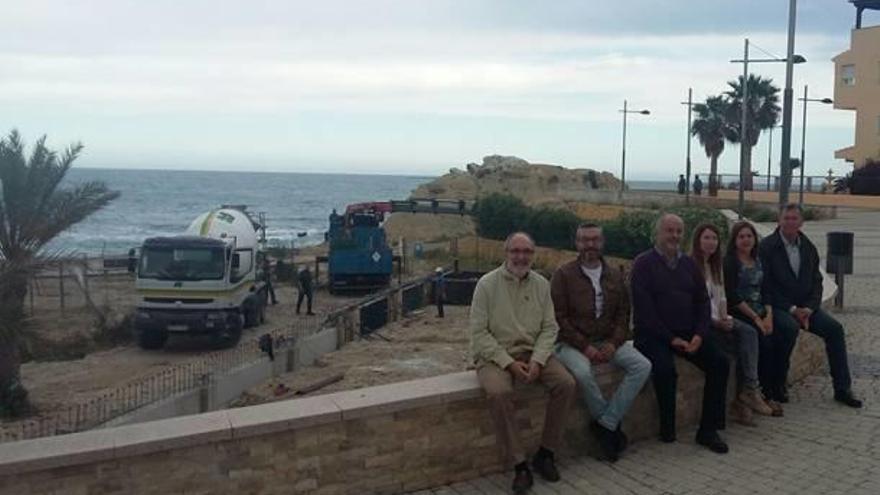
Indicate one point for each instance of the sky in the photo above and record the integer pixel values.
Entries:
(402, 86)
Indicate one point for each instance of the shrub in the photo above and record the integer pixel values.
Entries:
(866, 179)
(625, 236)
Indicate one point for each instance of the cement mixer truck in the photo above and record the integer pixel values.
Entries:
(207, 281)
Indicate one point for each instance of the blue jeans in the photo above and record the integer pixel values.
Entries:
(607, 413)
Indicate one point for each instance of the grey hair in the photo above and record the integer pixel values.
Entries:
(662, 218)
(590, 225)
(514, 234)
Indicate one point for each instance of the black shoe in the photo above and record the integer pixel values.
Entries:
(847, 398)
(545, 465)
(713, 442)
(622, 440)
(608, 441)
(667, 436)
(782, 394)
(310, 313)
(522, 481)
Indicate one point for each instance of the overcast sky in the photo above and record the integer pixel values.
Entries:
(410, 87)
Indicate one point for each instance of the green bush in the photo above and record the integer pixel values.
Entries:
(626, 236)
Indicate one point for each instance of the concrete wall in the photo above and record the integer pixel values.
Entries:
(386, 439)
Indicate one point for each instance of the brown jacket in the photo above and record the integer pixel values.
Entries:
(574, 302)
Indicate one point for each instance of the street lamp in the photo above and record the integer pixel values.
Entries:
(791, 59)
(687, 186)
(806, 100)
(623, 155)
(770, 157)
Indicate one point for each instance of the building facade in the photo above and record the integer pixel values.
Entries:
(857, 88)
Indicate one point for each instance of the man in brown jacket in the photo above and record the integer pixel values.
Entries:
(592, 309)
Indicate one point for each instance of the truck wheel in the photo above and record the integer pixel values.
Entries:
(251, 315)
(231, 336)
(151, 340)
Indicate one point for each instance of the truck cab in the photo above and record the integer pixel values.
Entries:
(208, 281)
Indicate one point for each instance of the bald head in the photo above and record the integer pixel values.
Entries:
(668, 233)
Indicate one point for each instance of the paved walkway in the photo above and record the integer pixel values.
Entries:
(819, 447)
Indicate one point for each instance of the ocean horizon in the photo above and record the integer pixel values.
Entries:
(156, 202)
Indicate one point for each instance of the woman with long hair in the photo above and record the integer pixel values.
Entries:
(739, 337)
(743, 279)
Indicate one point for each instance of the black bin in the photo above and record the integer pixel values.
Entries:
(840, 253)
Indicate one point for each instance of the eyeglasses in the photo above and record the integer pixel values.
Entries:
(521, 251)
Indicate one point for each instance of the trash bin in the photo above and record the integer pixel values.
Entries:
(840, 253)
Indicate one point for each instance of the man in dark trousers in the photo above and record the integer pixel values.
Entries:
(267, 276)
(304, 278)
(682, 184)
(671, 314)
(793, 284)
(698, 185)
(439, 290)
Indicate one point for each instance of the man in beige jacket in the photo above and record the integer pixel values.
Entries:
(513, 330)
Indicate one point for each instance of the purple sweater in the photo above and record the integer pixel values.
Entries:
(666, 302)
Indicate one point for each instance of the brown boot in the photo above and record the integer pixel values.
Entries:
(755, 402)
(742, 414)
(777, 408)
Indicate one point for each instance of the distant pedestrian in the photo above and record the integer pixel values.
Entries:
(304, 278)
(267, 277)
(132, 260)
(439, 290)
(698, 185)
(682, 184)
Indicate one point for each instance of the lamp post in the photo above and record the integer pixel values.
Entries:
(791, 59)
(625, 111)
(770, 157)
(687, 165)
(806, 100)
(785, 168)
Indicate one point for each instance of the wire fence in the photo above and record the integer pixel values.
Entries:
(149, 389)
(208, 369)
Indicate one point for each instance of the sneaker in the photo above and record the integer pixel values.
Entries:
(522, 481)
(754, 401)
(545, 465)
(608, 441)
(712, 441)
(622, 439)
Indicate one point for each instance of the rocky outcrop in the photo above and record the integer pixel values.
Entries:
(535, 184)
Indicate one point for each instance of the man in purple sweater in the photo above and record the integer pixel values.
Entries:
(671, 315)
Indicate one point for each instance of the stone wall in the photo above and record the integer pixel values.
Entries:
(385, 439)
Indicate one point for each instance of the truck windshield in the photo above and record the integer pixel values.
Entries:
(172, 263)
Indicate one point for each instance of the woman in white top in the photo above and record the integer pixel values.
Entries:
(734, 334)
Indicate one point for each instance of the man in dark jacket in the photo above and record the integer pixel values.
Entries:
(793, 284)
(671, 314)
(591, 303)
(304, 278)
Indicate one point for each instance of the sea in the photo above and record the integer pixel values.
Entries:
(164, 202)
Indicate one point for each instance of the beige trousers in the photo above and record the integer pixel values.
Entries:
(498, 385)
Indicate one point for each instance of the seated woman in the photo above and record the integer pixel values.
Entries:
(734, 334)
(753, 315)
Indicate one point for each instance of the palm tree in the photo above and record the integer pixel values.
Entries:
(762, 113)
(34, 208)
(712, 129)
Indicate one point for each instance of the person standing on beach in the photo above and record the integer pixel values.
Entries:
(698, 185)
(672, 316)
(304, 278)
(267, 275)
(513, 329)
(682, 184)
(592, 308)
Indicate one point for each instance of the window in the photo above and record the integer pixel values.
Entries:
(848, 75)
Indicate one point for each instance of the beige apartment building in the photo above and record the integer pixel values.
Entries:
(857, 87)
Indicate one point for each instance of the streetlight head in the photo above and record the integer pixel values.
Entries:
(645, 112)
(798, 59)
(827, 101)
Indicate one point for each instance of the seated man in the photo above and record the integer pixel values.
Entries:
(794, 285)
(513, 331)
(671, 314)
(592, 310)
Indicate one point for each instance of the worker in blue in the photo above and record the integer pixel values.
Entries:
(306, 291)
(439, 290)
